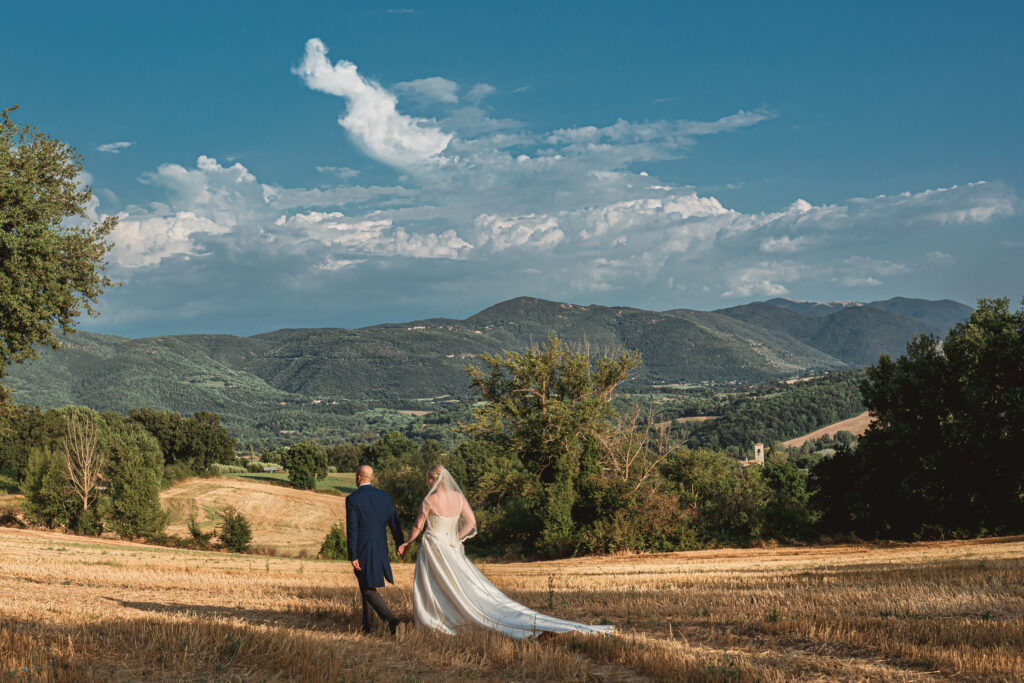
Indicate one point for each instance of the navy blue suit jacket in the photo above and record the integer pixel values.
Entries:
(369, 513)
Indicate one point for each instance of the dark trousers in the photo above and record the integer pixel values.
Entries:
(371, 598)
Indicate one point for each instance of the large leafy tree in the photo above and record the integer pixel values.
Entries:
(199, 440)
(132, 505)
(944, 453)
(28, 428)
(306, 463)
(545, 409)
(52, 256)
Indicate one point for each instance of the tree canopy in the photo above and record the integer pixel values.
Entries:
(943, 456)
(52, 250)
(546, 409)
(306, 463)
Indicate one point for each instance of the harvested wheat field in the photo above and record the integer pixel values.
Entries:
(290, 521)
(855, 425)
(80, 609)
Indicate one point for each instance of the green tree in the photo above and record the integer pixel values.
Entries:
(404, 477)
(28, 428)
(788, 514)
(132, 507)
(170, 430)
(49, 498)
(133, 503)
(545, 409)
(52, 256)
(344, 456)
(391, 445)
(199, 440)
(940, 457)
(210, 441)
(725, 502)
(306, 463)
(838, 495)
(200, 538)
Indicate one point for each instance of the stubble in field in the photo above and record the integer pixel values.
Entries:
(91, 609)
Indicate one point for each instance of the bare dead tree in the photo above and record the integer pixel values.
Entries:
(83, 458)
(634, 447)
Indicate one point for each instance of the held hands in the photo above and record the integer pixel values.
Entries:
(402, 548)
(355, 565)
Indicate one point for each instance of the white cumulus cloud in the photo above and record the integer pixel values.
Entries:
(147, 240)
(372, 119)
(766, 279)
(530, 230)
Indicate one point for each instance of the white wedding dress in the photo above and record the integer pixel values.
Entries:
(449, 592)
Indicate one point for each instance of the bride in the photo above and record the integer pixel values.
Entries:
(448, 591)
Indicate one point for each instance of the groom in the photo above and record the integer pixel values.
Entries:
(369, 512)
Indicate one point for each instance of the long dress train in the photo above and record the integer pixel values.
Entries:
(449, 592)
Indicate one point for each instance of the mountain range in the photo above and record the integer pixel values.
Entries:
(293, 369)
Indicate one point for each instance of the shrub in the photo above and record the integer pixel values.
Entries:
(170, 540)
(727, 501)
(235, 532)
(254, 467)
(335, 545)
(89, 522)
(9, 516)
(199, 537)
(179, 471)
(220, 469)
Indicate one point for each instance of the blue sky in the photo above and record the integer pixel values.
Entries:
(343, 164)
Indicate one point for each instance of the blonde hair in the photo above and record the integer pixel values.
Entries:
(433, 471)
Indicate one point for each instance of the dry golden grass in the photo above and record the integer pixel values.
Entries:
(287, 519)
(855, 425)
(80, 609)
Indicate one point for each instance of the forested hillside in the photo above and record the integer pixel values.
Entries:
(325, 383)
(782, 412)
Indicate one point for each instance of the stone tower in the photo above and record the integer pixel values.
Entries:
(759, 453)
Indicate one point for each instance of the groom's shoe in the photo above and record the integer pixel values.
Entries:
(393, 626)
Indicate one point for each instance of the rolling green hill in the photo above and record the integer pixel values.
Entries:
(318, 383)
(855, 334)
(941, 315)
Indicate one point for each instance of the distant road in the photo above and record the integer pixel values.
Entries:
(855, 425)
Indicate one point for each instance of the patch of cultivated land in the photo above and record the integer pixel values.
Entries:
(284, 518)
(79, 609)
(855, 425)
